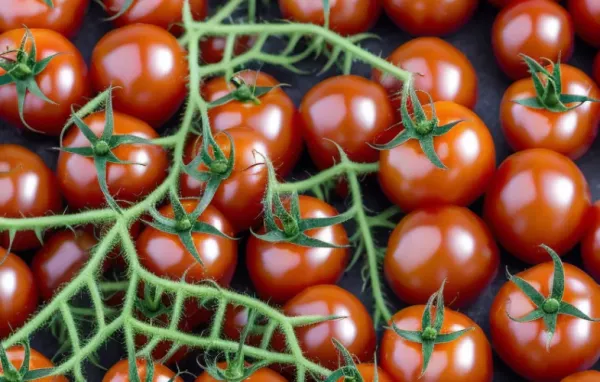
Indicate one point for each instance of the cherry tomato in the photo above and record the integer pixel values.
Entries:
(570, 133)
(152, 84)
(240, 196)
(162, 13)
(587, 16)
(279, 271)
(523, 28)
(430, 17)
(590, 244)
(77, 174)
(18, 293)
(576, 343)
(260, 375)
(467, 358)
(27, 188)
(411, 181)
(120, 372)
(367, 372)
(349, 110)
(504, 3)
(212, 48)
(346, 16)
(65, 18)
(64, 81)
(60, 260)
(16, 356)
(275, 118)
(438, 243)
(537, 197)
(445, 73)
(597, 69)
(584, 376)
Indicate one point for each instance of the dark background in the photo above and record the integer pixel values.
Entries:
(473, 39)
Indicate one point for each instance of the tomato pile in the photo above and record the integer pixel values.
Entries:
(182, 161)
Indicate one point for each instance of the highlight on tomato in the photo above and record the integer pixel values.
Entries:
(119, 372)
(15, 357)
(586, 13)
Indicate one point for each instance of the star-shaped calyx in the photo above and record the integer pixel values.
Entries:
(11, 374)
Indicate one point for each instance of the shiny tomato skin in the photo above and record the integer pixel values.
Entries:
(260, 375)
(522, 28)
(279, 271)
(212, 48)
(16, 356)
(590, 244)
(60, 260)
(597, 69)
(64, 81)
(437, 243)
(239, 197)
(445, 73)
(78, 177)
(152, 85)
(275, 118)
(583, 376)
(367, 372)
(411, 181)
(587, 16)
(18, 293)
(570, 133)
(468, 358)
(22, 170)
(430, 17)
(537, 197)
(346, 17)
(65, 18)
(358, 112)
(120, 372)
(576, 343)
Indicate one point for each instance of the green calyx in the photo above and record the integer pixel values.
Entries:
(347, 370)
(101, 148)
(244, 93)
(151, 305)
(49, 3)
(12, 374)
(126, 5)
(431, 335)
(548, 309)
(549, 94)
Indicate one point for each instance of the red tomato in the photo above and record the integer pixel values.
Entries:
(597, 69)
(346, 16)
(236, 318)
(576, 343)
(410, 180)
(18, 293)
(240, 196)
(438, 243)
(120, 372)
(430, 17)
(60, 260)
(504, 3)
(279, 271)
(212, 48)
(587, 16)
(64, 81)
(65, 18)
(275, 118)
(467, 358)
(260, 375)
(151, 85)
(78, 177)
(16, 356)
(570, 133)
(537, 197)
(27, 188)
(349, 110)
(444, 72)
(524, 28)
(584, 376)
(367, 372)
(590, 244)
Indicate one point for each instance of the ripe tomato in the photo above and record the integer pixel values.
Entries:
(584, 376)
(430, 17)
(467, 358)
(504, 3)
(357, 112)
(597, 69)
(437, 243)
(346, 16)
(16, 356)
(120, 372)
(590, 244)
(367, 372)
(65, 18)
(239, 197)
(27, 188)
(570, 133)
(576, 343)
(260, 375)
(77, 174)
(212, 48)
(523, 28)
(18, 293)
(445, 73)
(152, 85)
(587, 16)
(279, 271)
(60, 260)
(537, 197)
(64, 81)
(410, 180)
(275, 118)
